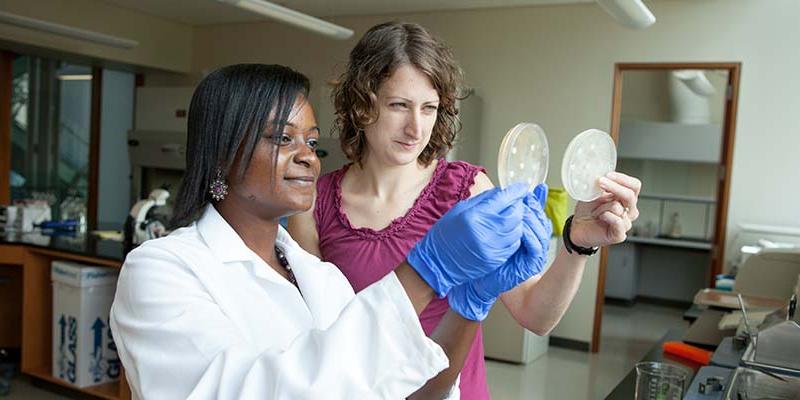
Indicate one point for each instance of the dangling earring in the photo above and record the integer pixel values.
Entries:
(218, 188)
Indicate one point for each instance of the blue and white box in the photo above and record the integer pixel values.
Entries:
(84, 353)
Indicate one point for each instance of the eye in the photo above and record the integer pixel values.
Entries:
(281, 140)
(431, 108)
(312, 143)
(397, 105)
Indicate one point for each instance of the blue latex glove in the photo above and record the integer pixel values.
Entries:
(472, 239)
(474, 299)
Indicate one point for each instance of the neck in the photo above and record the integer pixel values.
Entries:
(257, 233)
(385, 180)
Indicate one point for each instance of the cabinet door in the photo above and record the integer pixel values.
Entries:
(622, 274)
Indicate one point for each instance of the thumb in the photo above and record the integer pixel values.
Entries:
(540, 193)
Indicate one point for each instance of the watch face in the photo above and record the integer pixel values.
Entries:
(589, 156)
(524, 156)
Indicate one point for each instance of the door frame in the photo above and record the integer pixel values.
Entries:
(726, 163)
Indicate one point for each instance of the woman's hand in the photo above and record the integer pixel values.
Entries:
(607, 220)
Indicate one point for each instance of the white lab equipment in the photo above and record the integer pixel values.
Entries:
(770, 273)
(198, 314)
(84, 353)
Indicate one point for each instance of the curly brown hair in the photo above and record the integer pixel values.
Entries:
(376, 56)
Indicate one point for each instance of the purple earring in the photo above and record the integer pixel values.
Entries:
(218, 188)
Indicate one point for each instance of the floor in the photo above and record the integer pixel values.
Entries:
(627, 334)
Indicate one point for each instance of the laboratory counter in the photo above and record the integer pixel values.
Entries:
(76, 244)
(626, 389)
(25, 264)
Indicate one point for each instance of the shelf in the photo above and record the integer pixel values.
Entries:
(670, 141)
(109, 391)
(687, 244)
(674, 197)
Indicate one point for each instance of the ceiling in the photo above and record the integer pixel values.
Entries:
(206, 12)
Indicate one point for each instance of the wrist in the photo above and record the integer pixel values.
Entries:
(571, 246)
(576, 236)
(418, 290)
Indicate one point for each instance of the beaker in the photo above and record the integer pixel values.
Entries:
(660, 381)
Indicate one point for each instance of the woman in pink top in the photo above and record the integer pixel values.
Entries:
(396, 118)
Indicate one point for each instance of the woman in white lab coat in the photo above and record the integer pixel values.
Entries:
(229, 306)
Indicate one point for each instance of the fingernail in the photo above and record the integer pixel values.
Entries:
(603, 181)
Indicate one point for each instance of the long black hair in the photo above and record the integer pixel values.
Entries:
(229, 112)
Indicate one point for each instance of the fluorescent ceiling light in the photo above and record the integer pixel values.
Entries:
(64, 30)
(292, 17)
(75, 77)
(631, 13)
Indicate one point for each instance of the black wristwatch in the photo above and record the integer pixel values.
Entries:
(572, 247)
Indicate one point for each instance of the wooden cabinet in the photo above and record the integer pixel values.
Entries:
(37, 311)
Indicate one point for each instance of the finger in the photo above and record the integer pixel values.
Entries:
(531, 234)
(617, 226)
(499, 199)
(623, 194)
(612, 206)
(540, 225)
(626, 180)
(507, 220)
(604, 198)
(540, 194)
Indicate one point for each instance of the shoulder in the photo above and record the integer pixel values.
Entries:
(158, 264)
(467, 179)
(481, 184)
(327, 181)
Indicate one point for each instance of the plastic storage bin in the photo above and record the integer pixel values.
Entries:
(84, 353)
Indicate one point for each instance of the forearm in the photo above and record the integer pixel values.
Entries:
(455, 335)
(539, 305)
(416, 288)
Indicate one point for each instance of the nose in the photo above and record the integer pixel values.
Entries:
(414, 125)
(305, 156)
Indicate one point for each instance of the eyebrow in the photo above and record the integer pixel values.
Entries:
(411, 101)
(313, 128)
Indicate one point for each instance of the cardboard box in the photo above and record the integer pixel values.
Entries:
(84, 353)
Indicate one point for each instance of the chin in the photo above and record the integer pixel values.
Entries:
(406, 158)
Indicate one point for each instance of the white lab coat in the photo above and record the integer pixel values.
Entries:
(198, 315)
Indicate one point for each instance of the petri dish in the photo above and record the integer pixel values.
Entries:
(589, 156)
(524, 156)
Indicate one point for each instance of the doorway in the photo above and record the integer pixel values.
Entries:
(674, 126)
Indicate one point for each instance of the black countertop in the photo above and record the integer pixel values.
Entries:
(74, 243)
(626, 389)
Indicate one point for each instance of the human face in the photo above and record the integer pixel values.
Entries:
(407, 105)
(276, 190)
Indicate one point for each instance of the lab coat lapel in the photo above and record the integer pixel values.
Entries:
(231, 252)
(316, 280)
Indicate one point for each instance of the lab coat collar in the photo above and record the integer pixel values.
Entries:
(228, 246)
(220, 237)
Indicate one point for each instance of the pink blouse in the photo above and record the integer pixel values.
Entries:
(365, 255)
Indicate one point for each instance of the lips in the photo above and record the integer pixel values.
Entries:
(407, 145)
(309, 179)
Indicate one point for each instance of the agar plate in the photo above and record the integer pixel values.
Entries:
(524, 156)
(589, 156)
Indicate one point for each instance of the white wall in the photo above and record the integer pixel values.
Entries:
(554, 65)
(646, 96)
